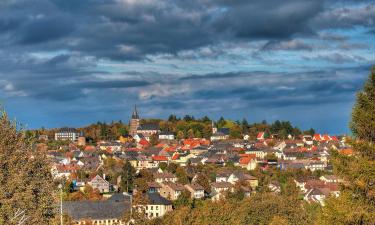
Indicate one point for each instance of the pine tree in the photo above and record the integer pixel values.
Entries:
(363, 116)
(26, 191)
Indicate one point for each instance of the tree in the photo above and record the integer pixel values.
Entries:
(154, 139)
(190, 133)
(363, 115)
(180, 135)
(204, 181)
(355, 205)
(127, 176)
(182, 175)
(25, 179)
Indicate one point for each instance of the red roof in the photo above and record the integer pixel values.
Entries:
(159, 158)
(144, 142)
(175, 156)
(260, 135)
(334, 138)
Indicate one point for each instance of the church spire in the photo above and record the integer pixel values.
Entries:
(135, 113)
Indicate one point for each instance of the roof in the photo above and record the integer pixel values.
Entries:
(175, 186)
(159, 158)
(221, 185)
(67, 130)
(149, 126)
(156, 199)
(223, 130)
(195, 186)
(144, 142)
(112, 208)
(260, 135)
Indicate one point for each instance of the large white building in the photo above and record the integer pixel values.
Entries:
(67, 134)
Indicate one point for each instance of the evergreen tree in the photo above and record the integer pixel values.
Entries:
(356, 203)
(363, 115)
(25, 179)
(127, 177)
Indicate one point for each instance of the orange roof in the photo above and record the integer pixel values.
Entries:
(159, 158)
(326, 137)
(90, 148)
(317, 137)
(246, 158)
(346, 151)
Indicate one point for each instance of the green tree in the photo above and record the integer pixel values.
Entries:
(182, 175)
(127, 177)
(363, 115)
(25, 179)
(356, 203)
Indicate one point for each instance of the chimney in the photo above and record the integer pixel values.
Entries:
(104, 176)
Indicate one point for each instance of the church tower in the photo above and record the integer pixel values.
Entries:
(134, 122)
(214, 128)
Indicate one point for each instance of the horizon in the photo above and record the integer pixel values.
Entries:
(71, 63)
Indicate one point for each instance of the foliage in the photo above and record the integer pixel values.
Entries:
(127, 177)
(25, 178)
(363, 115)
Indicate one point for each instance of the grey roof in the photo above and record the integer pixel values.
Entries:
(67, 130)
(223, 130)
(149, 126)
(112, 208)
(156, 199)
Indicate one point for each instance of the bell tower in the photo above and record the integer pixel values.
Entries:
(134, 122)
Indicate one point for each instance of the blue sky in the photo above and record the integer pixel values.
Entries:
(72, 63)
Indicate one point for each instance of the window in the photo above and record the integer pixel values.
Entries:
(151, 207)
(157, 207)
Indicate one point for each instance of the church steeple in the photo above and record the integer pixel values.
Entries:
(135, 113)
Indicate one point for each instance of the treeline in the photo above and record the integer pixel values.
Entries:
(186, 127)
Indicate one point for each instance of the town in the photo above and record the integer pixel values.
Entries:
(150, 170)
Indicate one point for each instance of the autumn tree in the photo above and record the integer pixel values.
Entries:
(26, 185)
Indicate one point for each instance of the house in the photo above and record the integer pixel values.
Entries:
(108, 212)
(196, 190)
(153, 187)
(171, 190)
(247, 161)
(220, 134)
(316, 165)
(330, 179)
(100, 183)
(261, 136)
(147, 130)
(157, 206)
(218, 190)
(63, 171)
(166, 135)
(164, 177)
(66, 134)
(240, 176)
(158, 159)
(274, 187)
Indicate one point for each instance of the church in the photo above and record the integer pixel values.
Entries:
(144, 130)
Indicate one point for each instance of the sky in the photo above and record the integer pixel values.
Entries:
(72, 63)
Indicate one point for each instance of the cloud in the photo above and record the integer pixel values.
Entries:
(294, 45)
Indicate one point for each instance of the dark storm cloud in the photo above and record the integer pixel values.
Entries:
(130, 30)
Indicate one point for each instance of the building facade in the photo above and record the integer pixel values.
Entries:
(67, 134)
